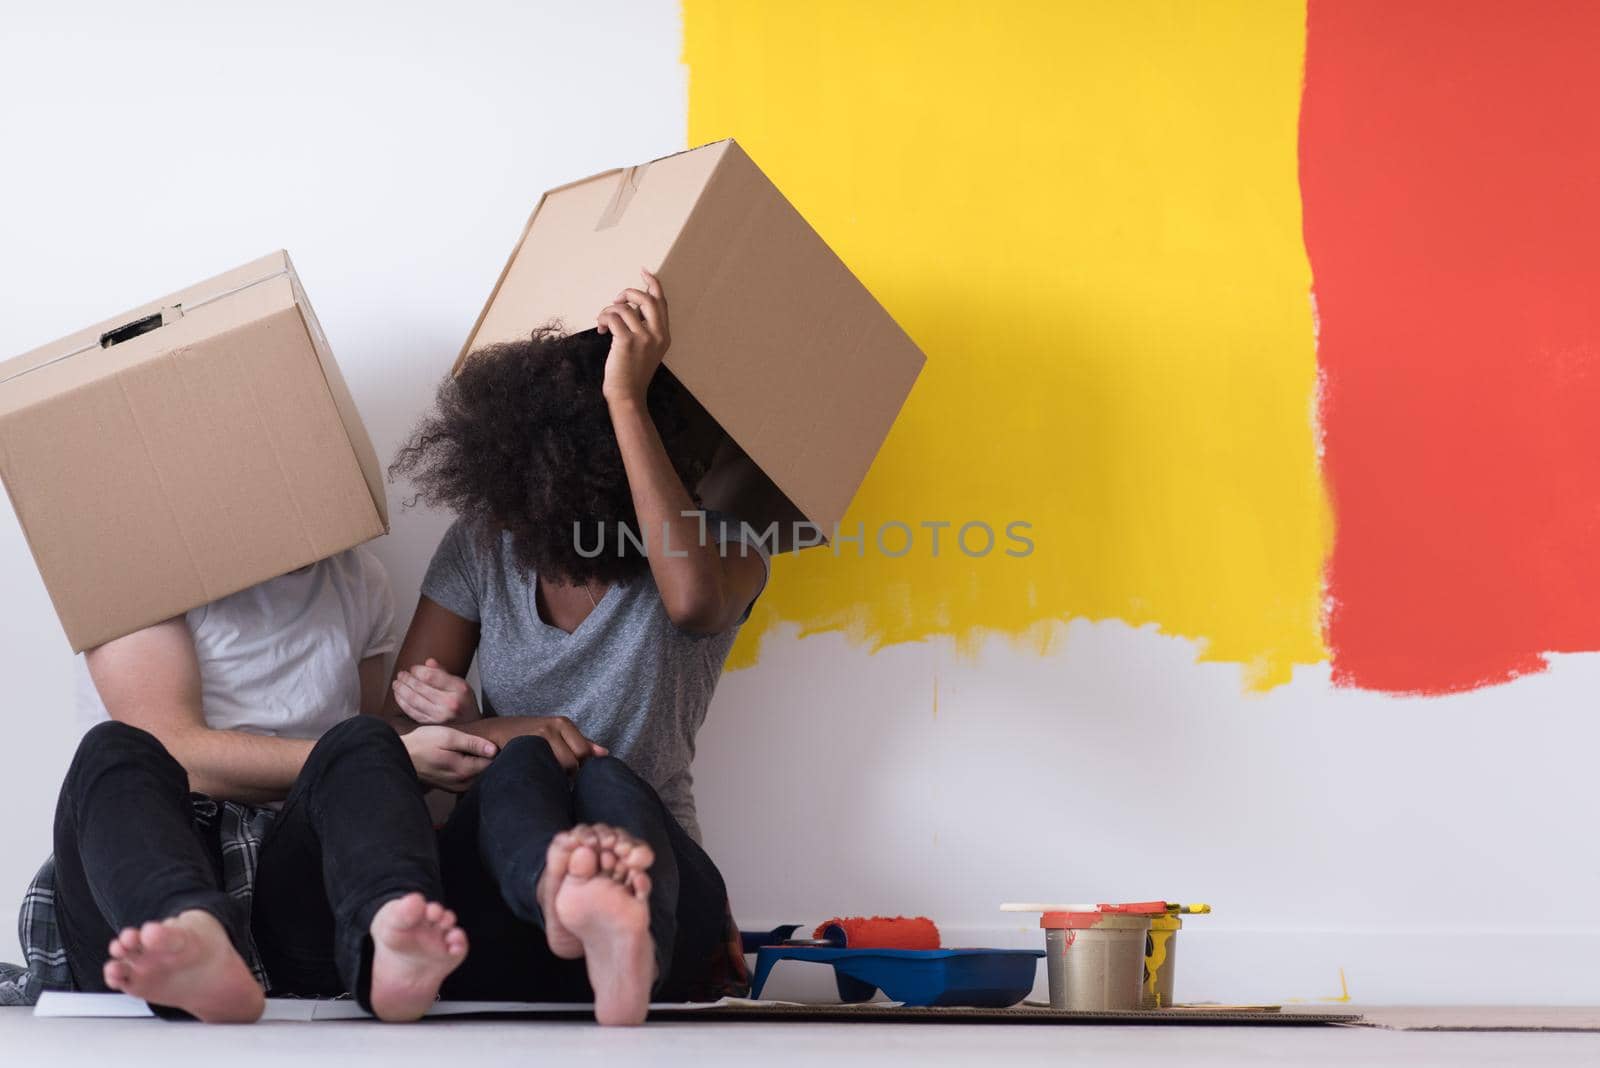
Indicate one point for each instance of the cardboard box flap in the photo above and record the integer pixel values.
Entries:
(571, 260)
(189, 315)
(179, 320)
(782, 345)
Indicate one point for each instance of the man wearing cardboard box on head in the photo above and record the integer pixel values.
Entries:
(224, 455)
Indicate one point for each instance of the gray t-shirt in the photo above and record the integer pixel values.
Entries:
(628, 676)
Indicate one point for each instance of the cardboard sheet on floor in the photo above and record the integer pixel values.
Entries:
(1480, 1017)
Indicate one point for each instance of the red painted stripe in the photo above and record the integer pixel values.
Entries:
(1450, 167)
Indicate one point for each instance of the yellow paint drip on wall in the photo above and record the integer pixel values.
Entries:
(1088, 216)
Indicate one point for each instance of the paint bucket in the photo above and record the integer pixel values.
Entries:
(1160, 961)
(1094, 960)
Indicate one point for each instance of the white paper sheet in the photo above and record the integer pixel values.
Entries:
(90, 1006)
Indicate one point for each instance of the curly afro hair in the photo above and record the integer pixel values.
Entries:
(519, 441)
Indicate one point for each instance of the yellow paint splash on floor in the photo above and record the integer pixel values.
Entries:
(1088, 216)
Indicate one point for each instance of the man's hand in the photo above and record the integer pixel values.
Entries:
(637, 323)
(430, 694)
(447, 758)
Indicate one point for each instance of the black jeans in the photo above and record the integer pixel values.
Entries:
(493, 850)
(352, 834)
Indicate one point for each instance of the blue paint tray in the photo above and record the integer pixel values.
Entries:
(982, 978)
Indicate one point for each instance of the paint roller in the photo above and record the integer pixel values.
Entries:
(878, 932)
(852, 932)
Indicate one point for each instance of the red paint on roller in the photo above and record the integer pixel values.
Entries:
(883, 932)
(1448, 159)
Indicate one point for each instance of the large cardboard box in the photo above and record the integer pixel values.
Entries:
(181, 452)
(787, 351)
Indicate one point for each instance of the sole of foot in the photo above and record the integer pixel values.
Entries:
(415, 944)
(608, 853)
(595, 895)
(188, 963)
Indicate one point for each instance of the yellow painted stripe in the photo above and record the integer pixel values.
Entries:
(1088, 216)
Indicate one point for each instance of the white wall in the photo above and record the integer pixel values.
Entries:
(1434, 850)
(395, 149)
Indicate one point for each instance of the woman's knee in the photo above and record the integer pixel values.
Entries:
(607, 774)
(524, 754)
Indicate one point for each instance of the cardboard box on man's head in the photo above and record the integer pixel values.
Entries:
(184, 451)
(771, 333)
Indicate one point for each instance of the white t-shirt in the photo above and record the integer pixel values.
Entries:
(281, 657)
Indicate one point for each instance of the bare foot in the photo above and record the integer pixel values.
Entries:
(563, 943)
(596, 901)
(415, 944)
(187, 963)
(606, 851)
(621, 855)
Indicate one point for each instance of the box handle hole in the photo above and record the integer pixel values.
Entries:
(129, 331)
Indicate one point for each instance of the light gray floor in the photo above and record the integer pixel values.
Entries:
(26, 1041)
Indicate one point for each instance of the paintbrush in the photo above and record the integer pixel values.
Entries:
(1172, 908)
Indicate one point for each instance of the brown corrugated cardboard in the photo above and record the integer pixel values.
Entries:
(183, 451)
(770, 331)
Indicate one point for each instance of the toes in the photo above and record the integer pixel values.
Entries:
(433, 913)
(583, 863)
(400, 913)
(411, 909)
(160, 937)
(639, 883)
(125, 944)
(118, 974)
(640, 856)
(559, 855)
(455, 943)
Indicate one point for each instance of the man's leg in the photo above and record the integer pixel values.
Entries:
(348, 890)
(137, 893)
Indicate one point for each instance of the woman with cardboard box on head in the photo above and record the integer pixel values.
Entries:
(601, 605)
